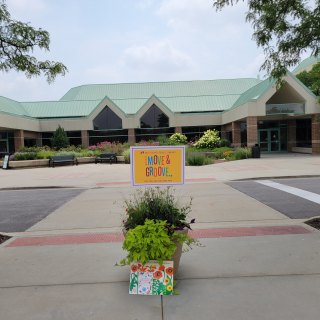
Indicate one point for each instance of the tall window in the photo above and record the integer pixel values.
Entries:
(107, 119)
(154, 118)
(303, 133)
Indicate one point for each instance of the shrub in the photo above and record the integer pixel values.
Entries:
(44, 154)
(197, 160)
(228, 154)
(60, 139)
(163, 140)
(219, 152)
(25, 156)
(126, 154)
(148, 143)
(210, 139)
(155, 204)
(178, 138)
(224, 143)
(153, 240)
(242, 153)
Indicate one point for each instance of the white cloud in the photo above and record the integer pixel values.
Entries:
(19, 8)
(161, 55)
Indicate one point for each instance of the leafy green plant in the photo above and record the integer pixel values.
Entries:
(154, 240)
(60, 139)
(198, 160)
(163, 140)
(242, 153)
(25, 156)
(210, 139)
(156, 204)
(224, 143)
(219, 152)
(228, 154)
(178, 138)
(126, 154)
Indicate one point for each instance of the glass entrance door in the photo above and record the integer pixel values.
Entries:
(269, 140)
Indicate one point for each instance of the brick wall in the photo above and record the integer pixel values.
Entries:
(252, 131)
(315, 133)
(236, 134)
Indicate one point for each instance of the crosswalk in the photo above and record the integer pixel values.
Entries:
(296, 198)
(311, 196)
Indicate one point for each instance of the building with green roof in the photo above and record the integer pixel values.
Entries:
(246, 112)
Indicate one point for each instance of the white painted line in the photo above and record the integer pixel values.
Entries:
(314, 197)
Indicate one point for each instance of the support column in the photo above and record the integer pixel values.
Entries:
(131, 136)
(39, 139)
(84, 138)
(315, 133)
(18, 139)
(177, 130)
(292, 134)
(252, 131)
(236, 134)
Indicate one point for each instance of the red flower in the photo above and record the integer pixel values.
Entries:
(169, 271)
(157, 274)
(134, 268)
(161, 268)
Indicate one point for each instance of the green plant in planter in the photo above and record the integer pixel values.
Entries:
(154, 240)
(156, 204)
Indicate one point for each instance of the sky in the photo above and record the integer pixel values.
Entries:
(112, 41)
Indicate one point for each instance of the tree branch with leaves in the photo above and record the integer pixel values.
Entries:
(284, 29)
(17, 42)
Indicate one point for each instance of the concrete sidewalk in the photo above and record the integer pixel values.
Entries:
(235, 276)
(105, 175)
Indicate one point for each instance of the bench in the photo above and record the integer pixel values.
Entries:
(106, 157)
(65, 159)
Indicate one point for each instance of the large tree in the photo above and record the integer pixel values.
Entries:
(283, 28)
(311, 79)
(17, 42)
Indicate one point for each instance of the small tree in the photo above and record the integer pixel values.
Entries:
(210, 139)
(60, 139)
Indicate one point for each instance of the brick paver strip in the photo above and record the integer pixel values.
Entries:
(118, 237)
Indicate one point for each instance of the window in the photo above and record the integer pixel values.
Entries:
(154, 118)
(107, 119)
(303, 133)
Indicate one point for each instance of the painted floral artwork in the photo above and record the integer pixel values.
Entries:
(151, 278)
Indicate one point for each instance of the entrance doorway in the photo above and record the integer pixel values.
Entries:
(4, 147)
(269, 140)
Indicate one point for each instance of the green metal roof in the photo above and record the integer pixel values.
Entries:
(254, 93)
(160, 89)
(306, 63)
(11, 106)
(177, 96)
(60, 109)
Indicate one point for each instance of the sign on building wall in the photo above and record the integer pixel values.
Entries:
(157, 165)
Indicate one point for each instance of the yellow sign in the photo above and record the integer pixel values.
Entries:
(157, 165)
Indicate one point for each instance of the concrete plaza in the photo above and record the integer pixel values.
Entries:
(246, 269)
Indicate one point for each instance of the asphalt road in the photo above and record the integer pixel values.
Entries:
(291, 205)
(21, 209)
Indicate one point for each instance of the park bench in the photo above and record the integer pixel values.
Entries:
(65, 159)
(106, 157)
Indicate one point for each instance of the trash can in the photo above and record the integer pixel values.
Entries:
(255, 151)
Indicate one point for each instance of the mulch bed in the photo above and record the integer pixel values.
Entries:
(315, 223)
(3, 238)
